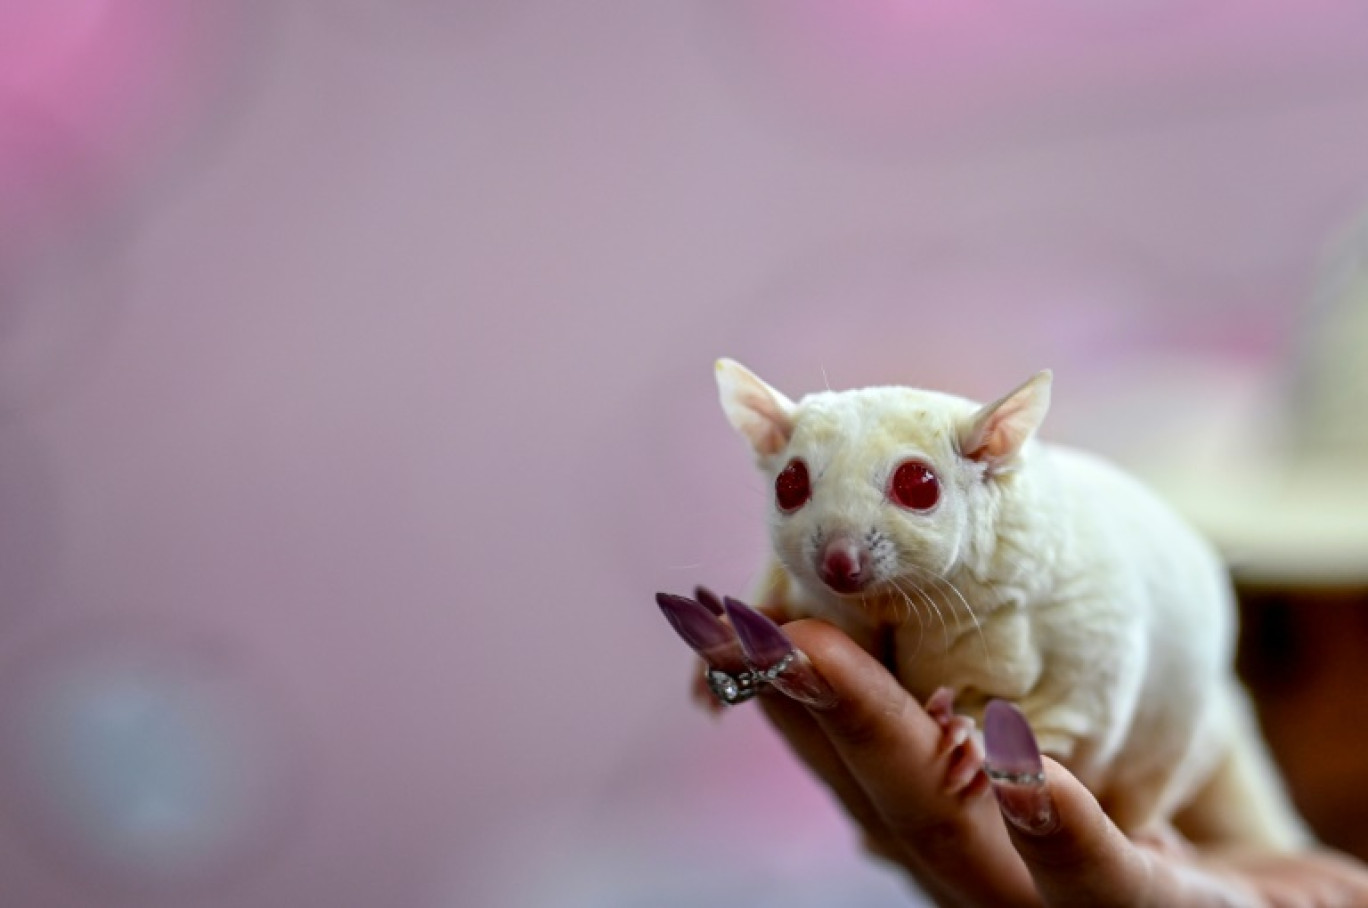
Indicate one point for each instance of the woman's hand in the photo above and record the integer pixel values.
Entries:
(1040, 838)
(882, 755)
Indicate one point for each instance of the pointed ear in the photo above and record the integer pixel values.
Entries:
(762, 415)
(996, 434)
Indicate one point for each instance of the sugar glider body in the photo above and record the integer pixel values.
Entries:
(1004, 567)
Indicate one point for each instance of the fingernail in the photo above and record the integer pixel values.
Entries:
(709, 600)
(798, 679)
(1014, 767)
(704, 632)
(695, 625)
(775, 659)
(764, 643)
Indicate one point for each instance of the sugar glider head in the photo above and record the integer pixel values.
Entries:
(872, 490)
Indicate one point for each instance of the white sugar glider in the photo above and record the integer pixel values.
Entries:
(1004, 567)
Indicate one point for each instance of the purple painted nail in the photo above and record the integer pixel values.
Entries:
(705, 633)
(697, 626)
(709, 600)
(775, 659)
(798, 678)
(1011, 745)
(1014, 767)
(764, 644)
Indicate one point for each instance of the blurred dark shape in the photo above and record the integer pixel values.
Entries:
(1302, 653)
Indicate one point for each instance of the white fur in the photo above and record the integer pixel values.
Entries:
(1043, 575)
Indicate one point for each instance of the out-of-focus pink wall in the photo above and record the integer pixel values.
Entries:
(355, 384)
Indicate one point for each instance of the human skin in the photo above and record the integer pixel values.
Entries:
(1051, 844)
(1039, 839)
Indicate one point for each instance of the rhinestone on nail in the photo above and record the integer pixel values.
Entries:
(731, 689)
(1014, 778)
(776, 669)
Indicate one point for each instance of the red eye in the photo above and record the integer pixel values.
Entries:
(915, 486)
(791, 487)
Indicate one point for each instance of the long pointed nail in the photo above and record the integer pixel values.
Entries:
(799, 679)
(775, 659)
(703, 631)
(764, 643)
(709, 600)
(1016, 771)
(697, 626)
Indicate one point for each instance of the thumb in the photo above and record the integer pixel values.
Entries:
(1075, 854)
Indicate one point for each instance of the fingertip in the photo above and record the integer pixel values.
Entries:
(1081, 818)
(817, 638)
(1066, 817)
(837, 657)
(869, 707)
(1082, 852)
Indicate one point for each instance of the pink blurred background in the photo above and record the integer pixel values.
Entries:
(356, 392)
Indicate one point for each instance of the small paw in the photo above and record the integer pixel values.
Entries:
(960, 747)
(941, 704)
(964, 776)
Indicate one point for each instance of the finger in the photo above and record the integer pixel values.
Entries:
(811, 745)
(1075, 854)
(1314, 877)
(891, 748)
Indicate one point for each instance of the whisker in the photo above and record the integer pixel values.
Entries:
(983, 639)
(921, 623)
(935, 607)
(905, 605)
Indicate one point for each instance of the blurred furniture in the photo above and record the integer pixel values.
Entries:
(1304, 655)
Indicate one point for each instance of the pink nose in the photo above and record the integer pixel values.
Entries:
(844, 565)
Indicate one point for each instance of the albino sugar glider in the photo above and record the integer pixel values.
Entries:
(1003, 567)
